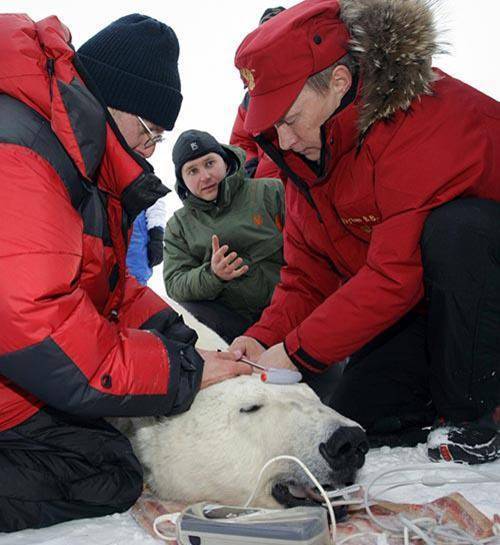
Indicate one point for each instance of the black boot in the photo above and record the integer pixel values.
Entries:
(470, 442)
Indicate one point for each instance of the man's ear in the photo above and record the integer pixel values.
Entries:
(341, 80)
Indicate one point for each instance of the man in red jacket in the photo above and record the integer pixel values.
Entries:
(392, 239)
(79, 338)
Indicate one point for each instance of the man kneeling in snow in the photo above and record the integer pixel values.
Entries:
(79, 338)
(393, 192)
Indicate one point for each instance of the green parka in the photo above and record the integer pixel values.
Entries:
(248, 216)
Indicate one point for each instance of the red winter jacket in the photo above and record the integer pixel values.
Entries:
(352, 236)
(76, 332)
(258, 164)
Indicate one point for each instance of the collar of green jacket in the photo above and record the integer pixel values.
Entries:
(227, 188)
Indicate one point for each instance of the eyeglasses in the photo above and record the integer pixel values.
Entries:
(154, 138)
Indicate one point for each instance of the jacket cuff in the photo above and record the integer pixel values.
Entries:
(169, 323)
(300, 357)
(213, 280)
(142, 193)
(266, 337)
(186, 370)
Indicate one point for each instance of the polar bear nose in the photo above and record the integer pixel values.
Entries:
(346, 448)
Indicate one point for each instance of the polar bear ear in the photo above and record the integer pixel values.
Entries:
(250, 408)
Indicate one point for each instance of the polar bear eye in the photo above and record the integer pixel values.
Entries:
(250, 408)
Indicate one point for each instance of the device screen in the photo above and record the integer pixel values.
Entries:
(225, 512)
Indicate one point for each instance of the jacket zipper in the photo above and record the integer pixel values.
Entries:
(303, 188)
(50, 72)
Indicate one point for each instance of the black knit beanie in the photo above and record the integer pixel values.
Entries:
(133, 62)
(193, 144)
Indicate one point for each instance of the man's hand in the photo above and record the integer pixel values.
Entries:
(220, 366)
(225, 266)
(248, 347)
(276, 357)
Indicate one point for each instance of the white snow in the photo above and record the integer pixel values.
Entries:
(110, 530)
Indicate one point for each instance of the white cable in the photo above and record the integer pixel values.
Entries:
(359, 534)
(459, 536)
(342, 491)
(416, 530)
(345, 502)
(306, 470)
(165, 518)
(430, 480)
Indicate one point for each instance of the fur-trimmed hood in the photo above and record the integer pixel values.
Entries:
(393, 42)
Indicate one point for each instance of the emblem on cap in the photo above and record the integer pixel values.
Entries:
(194, 146)
(247, 75)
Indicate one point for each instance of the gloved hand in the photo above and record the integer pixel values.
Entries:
(155, 246)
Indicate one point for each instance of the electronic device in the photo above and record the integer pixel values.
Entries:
(213, 524)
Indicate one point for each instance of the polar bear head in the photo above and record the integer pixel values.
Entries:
(216, 450)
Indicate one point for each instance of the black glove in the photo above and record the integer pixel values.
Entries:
(155, 246)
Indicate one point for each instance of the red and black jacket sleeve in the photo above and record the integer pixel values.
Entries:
(54, 343)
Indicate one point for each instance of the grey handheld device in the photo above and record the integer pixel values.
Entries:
(213, 524)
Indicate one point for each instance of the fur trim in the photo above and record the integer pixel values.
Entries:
(393, 42)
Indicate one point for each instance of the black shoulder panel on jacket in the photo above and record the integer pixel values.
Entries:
(23, 126)
(86, 117)
(47, 372)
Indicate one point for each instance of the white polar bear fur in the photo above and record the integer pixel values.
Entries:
(215, 452)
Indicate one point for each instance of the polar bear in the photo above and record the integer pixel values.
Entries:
(215, 450)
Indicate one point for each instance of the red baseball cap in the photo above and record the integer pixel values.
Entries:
(277, 58)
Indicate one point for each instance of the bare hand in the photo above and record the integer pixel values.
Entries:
(220, 366)
(226, 267)
(276, 357)
(248, 347)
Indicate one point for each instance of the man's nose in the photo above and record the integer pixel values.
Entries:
(204, 174)
(286, 137)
